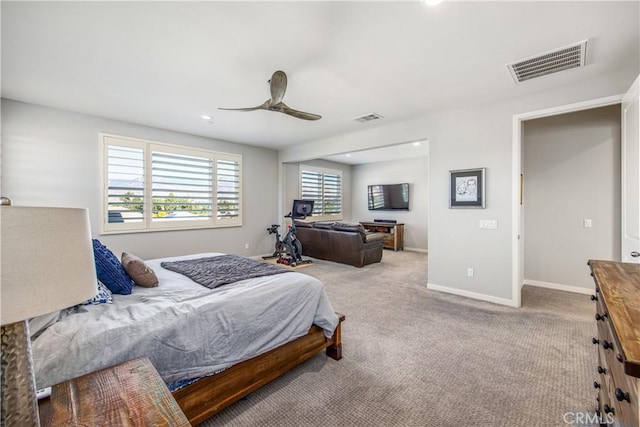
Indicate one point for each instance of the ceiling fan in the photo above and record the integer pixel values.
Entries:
(278, 85)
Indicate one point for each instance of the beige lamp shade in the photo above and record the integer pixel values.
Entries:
(46, 261)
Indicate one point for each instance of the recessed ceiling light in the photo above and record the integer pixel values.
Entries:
(348, 155)
(417, 143)
(206, 117)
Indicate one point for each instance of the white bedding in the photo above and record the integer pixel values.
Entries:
(185, 329)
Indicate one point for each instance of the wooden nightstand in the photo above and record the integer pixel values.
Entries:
(128, 394)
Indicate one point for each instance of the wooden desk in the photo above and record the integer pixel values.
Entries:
(129, 394)
(394, 233)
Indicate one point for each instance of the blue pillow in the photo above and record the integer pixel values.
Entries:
(102, 297)
(110, 271)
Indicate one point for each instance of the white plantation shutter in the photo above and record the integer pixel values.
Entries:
(125, 173)
(151, 186)
(181, 186)
(228, 188)
(324, 187)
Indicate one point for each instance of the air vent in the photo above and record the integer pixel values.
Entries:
(368, 117)
(565, 58)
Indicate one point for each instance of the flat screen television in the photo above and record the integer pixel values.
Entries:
(388, 197)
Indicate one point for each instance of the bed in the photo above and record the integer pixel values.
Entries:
(211, 346)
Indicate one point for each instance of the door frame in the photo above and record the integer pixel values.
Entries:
(517, 244)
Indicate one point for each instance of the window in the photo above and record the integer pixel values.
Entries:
(324, 187)
(153, 186)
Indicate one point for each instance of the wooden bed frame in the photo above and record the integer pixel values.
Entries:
(206, 397)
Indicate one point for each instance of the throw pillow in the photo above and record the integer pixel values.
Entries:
(110, 271)
(139, 271)
(102, 297)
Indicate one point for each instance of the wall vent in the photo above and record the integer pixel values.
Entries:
(564, 58)
(368, 117)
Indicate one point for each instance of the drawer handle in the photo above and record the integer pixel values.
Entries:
(594, 298)
(595, 340)
(601, 316)
(601, 370)
(596, 384)
(609, 410)
(607, 345)
(620, 358)
(621, 396)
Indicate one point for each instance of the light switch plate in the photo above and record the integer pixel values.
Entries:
(587, 223)
(489, 224)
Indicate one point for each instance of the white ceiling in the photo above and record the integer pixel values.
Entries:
(164, 64)
(383, 154)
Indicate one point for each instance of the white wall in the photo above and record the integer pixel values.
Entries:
(571, 172)
(469, 137)
(50, 157)
(415, 172)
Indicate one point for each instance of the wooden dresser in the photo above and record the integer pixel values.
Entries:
(617, 314)
(130, 394)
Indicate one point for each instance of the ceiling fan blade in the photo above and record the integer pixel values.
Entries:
(264, 106)
(299, 114)
(278, 86)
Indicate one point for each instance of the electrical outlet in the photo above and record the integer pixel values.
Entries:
(246, 246)
(469, 272)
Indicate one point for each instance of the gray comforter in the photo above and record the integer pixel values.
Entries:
(185, 329)
(222, 270)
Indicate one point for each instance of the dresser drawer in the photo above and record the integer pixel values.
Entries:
(623, 392)
(617, 314)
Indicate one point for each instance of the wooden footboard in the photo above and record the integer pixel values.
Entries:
(209, 395)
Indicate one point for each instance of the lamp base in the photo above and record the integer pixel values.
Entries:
(18, 389)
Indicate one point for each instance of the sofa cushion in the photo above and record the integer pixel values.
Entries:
(346, 226)
(323, 225)
(303, 224)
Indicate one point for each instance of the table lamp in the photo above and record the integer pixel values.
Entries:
(46, 264)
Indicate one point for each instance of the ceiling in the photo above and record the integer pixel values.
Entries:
(391, 152)
(165, 64)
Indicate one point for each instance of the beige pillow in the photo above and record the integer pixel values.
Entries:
(139, 271)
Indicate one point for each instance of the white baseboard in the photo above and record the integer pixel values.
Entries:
(558, 287)
(424, 251)
(474, 295)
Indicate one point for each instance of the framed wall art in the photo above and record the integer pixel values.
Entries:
(467, 188)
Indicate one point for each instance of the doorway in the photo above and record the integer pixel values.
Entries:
(571, 201)
(518, 181)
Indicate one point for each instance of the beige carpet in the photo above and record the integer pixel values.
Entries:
(414, 357)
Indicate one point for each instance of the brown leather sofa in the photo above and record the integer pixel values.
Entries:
(340, 242)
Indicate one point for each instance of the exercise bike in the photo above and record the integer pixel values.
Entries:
(288, 249)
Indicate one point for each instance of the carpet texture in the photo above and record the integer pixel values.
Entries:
(415, 357)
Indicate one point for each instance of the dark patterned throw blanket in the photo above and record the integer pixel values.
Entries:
(223, 269)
